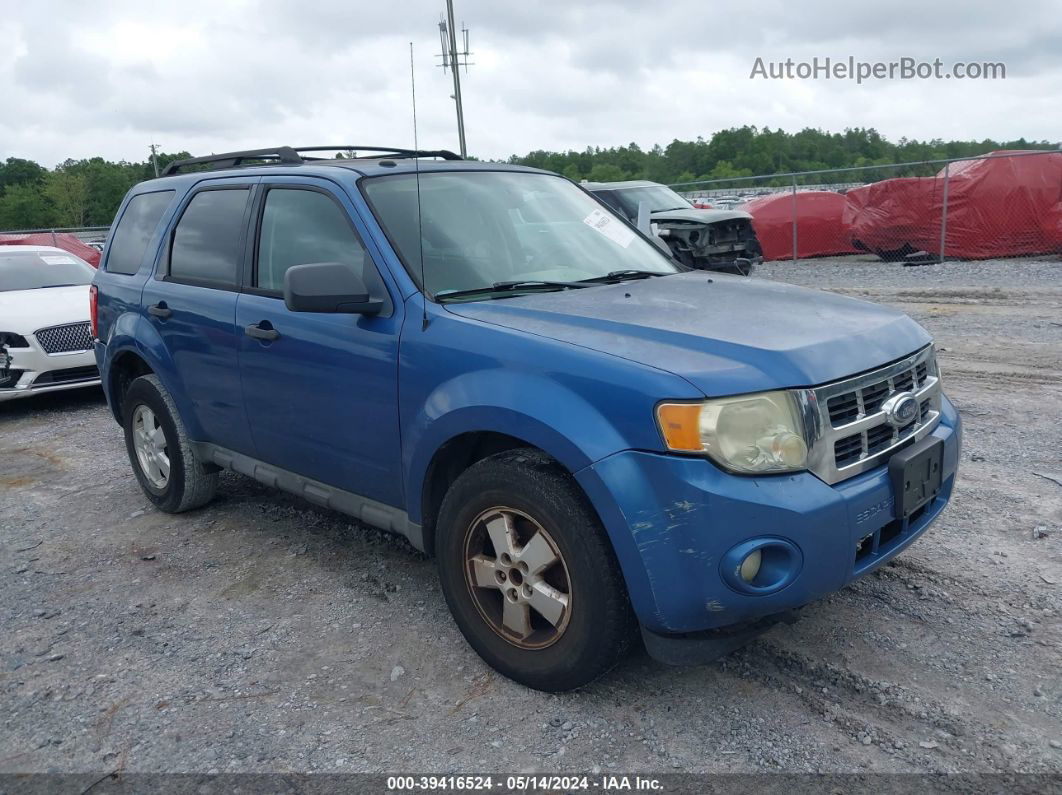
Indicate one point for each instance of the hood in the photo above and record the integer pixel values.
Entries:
(724, 334)
(699, 216)
(25, 311)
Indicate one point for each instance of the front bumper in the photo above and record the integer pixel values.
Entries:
(33, 372)
(672, 520)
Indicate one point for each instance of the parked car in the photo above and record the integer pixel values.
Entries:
(589, 437)
(61, 240)
(996, 207)
(45, 340)
(819, 218)
(718, 240)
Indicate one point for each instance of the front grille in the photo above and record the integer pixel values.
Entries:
(884, 540)
(850, 432)
(867, 399)
(67, 338)
(67, 376)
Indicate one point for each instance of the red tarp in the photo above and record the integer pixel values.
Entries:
(997, 207)
(61, 240)
(820, 227)
(1053, 227)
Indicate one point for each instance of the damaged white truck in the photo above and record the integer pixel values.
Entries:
(717, 240)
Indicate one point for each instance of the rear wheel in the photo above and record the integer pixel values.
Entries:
(162, 457)
(529, 575)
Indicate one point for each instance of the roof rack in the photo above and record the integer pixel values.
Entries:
(288, 155)
(381, 151)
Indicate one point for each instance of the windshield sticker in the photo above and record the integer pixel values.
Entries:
(55, 259)
(609, 227)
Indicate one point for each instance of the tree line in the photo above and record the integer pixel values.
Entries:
(88, 192)
(751, 151)
(74, 193)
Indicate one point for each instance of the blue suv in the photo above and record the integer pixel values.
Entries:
(592, 440)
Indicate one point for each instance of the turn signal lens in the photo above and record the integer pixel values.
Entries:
(681, 425)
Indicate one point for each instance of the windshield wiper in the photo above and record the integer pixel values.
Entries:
(508, 287)
(46, 286)
(619, 276)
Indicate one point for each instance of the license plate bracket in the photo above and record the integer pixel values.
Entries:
(916, 474)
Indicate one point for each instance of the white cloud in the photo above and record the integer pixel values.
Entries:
(84, 79)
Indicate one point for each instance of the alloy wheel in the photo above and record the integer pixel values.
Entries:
(517, 578)
(149, 442)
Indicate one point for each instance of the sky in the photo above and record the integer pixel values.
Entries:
(108, 78)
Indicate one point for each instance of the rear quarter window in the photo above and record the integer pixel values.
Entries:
(125, 253)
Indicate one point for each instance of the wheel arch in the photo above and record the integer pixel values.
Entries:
(126, 366)
(453, 429)
(135, 348)
(452, 458)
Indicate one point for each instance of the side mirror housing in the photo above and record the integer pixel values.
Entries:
(328, 287)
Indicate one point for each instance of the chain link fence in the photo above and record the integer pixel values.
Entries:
(92, 235)
(1004, 204)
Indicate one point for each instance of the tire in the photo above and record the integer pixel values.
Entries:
(187, 483)
(539, 498)
(895, 254)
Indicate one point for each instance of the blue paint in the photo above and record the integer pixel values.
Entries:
(364, 403)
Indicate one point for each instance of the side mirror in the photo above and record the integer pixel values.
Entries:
(327, 287)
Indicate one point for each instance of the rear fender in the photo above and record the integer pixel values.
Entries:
(131, 332)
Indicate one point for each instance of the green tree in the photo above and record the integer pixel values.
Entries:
(606, 172)
(571, 171)
(16, 171)
(25, 206)
(69, 194)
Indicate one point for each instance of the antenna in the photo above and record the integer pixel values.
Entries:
(452, 60)
(416, 171)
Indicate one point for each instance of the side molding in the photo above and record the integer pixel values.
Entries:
(371, 512)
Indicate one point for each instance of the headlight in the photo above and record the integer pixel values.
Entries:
(746, 433)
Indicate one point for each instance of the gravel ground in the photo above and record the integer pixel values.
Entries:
(262, 634)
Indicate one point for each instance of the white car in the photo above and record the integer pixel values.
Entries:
(45, 333)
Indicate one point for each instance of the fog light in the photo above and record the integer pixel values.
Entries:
(761, 566)
(750, 566)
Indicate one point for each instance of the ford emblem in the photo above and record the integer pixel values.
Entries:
(901, 409)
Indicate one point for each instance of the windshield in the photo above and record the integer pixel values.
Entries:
(658, 196)
(481, 228)
(32, 270)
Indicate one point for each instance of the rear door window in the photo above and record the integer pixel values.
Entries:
(126, 250)
(206, 242)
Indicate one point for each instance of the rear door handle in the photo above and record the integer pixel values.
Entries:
(160, 310)
(259, 333)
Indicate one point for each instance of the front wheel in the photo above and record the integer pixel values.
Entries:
(529, 575)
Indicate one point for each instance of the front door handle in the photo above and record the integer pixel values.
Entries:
(259, 333)
(160, 310)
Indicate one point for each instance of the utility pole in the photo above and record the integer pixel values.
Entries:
(154, 159)
(452, 59)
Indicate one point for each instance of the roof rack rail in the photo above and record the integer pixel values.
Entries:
(381, 151)
(282, 154)
(289, 155)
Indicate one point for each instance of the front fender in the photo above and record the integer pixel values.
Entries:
(529, 406)
(131, 332)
